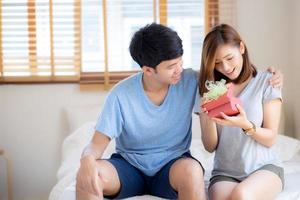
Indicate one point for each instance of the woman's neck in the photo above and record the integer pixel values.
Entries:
(241, 86)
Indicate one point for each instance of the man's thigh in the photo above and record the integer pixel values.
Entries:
(161, 184)
(132, 182)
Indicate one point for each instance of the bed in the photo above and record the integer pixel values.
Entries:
(288, 149)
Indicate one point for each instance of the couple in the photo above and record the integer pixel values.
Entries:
(150, 115)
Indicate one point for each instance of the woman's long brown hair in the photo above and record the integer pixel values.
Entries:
(221, 35)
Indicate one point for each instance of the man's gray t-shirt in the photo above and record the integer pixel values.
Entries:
(238, 155)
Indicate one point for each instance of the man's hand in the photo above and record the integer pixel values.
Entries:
(88, 177)
(277, 79)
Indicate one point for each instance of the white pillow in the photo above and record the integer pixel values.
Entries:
(77, 115)
(196, 127)
(73, 146)
(287, 147)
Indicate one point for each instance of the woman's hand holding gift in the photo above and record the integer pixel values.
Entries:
(239, 120)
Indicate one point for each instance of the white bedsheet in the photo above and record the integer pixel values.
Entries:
(73, 145)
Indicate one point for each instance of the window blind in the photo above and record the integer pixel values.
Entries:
(40, 40)
(87, 41)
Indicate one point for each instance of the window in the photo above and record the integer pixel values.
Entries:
(197, 37)
(124, 17)
(187, 18)
(40, 41)
(92, 36)
(73, 40)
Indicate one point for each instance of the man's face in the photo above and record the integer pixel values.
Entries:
(169, 71)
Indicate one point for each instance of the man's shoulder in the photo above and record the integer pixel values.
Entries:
(133, 78)
(189, 76)
(128, 84)
(190, 71)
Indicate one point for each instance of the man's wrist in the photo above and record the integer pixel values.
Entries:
(88, 157)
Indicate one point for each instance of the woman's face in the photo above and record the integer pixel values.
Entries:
(229, 60)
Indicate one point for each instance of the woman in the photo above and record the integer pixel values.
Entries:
(245, 166)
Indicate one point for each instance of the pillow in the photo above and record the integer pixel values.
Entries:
(73, 146)
(80, 114)
(196, 131)
(286, 147)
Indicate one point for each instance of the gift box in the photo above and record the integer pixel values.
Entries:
(225, 103)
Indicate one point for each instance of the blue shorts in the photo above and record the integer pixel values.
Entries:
(134, 182)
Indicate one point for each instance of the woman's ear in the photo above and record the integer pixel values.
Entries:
(242, 48)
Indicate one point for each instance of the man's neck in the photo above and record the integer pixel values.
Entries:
(155, 90)
(152, 85)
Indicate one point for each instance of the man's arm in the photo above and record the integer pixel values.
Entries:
(88, 174)
(97, 146)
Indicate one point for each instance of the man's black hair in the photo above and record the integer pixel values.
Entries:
(155, 43)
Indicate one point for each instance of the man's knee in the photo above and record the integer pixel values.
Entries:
(186, 171)
(190, 168)
(109, 177)
(107, 172)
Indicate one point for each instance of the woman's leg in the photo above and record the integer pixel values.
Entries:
(261, 185)
(221, 190)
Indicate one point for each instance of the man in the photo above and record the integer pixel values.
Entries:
(150, 115)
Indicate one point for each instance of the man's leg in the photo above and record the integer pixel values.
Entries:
(118, 179)
(181, 178)
(187, 178)
(109, 182)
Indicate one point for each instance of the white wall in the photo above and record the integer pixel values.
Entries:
(267, 27)
(32, 126)
(294, 74)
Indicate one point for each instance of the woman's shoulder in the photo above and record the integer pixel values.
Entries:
(263, 73)
(263, 76)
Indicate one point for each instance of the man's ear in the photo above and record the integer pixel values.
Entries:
(148, 70)
(242, 47)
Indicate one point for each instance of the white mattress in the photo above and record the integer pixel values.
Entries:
(73, 145)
